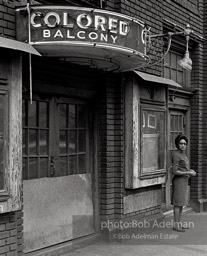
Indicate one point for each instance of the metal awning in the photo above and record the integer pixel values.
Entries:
(16, 45)
(157, 79)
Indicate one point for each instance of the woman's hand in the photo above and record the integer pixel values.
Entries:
(192, 173)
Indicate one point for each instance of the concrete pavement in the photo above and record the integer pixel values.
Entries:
(160, 240)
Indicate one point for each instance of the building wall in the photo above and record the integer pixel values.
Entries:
(179, 13)
(111, 144)
(204, 110)
(156, 14)
(11, 235)
(7, 18)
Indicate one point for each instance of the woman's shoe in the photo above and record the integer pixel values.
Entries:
(185, 227)
(178, 229)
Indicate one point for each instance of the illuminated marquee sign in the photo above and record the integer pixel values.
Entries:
(70, 32)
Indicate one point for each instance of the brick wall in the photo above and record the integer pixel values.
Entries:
(197, 131)
(204, 110)
(110, 130)
(7, 18)
(11, 236)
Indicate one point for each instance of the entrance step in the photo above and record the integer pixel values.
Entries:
(66, 247)
(199, 205)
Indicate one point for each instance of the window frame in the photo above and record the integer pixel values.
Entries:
(176, 69)
(137, 96)
(4, 193)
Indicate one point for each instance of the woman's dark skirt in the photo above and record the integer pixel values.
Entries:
(180, 190)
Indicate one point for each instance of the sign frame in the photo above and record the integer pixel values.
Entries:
(113, 41)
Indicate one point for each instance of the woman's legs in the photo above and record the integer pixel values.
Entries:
(176, 215)
(180, 214)
(177, 218)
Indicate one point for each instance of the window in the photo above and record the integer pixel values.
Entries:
(153, 141)
(145, 133)
(176, 127)
(174, 71)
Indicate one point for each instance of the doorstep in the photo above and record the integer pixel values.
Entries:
(63, 248)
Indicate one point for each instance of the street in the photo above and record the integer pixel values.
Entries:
(163, 241)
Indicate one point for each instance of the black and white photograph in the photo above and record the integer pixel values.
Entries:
(103, 127)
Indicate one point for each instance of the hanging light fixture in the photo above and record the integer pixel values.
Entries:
(186, 62)
(157, 41)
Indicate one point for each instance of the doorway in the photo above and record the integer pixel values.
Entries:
(57, 171)
(177, 123)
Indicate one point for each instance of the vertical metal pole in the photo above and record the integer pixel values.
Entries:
(30, 77)
(30, 56)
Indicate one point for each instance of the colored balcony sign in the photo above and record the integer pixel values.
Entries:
(95, 37)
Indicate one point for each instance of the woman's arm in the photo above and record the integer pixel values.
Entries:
(175, 167)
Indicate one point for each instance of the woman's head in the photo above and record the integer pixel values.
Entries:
(181, 141)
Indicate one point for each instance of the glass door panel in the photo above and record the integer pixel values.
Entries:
(35, 138)
(55, 138)
(73, 132)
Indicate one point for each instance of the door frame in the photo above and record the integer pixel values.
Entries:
(93, 147)
(186, 112)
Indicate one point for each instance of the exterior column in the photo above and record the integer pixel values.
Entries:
(110, 129)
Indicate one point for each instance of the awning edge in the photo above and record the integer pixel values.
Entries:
(157, 79)
(19, 46)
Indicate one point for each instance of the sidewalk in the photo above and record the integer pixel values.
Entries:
(161, 241)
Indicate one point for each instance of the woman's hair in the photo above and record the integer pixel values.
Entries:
(179, 138)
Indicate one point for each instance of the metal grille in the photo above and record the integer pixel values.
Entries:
(176, 127)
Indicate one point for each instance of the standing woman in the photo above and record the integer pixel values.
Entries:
(181, 172)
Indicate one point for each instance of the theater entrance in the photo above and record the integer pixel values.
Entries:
(57, 171)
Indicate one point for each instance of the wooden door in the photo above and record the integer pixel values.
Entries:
(57, 171)
(71, 154)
